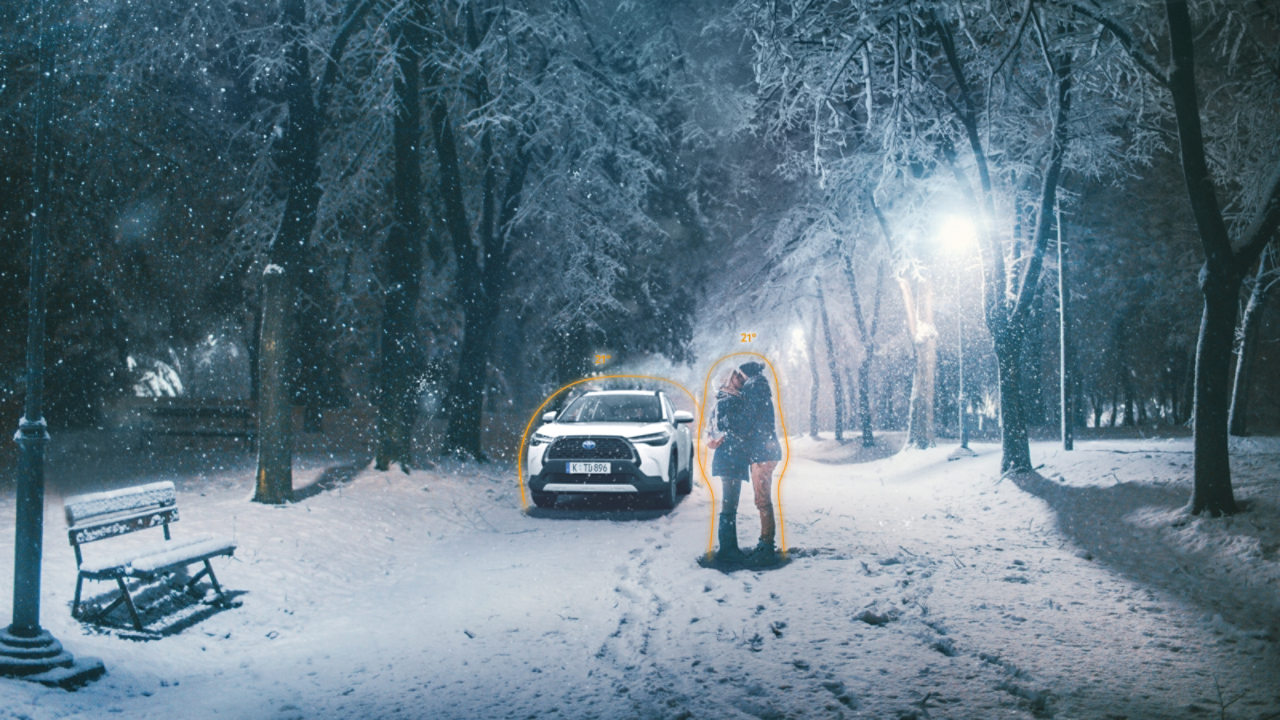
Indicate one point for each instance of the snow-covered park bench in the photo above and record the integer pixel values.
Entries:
(99, 516)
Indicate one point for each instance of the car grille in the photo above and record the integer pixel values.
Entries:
(607, 448)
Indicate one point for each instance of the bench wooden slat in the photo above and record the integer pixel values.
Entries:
(89, 532)
(79, 508)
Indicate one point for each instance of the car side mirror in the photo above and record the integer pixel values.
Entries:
(683, 416)
(548, 417)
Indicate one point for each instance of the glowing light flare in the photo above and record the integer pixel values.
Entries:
(956, 233)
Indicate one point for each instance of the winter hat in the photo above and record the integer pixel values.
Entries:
(752, 369)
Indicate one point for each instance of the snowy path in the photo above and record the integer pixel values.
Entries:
(918, 588)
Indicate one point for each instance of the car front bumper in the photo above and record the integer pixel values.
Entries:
(624, 476)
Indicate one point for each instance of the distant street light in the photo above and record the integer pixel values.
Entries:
(26, 649)
(957, 235)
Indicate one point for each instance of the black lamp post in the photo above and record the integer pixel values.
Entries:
(26, 649)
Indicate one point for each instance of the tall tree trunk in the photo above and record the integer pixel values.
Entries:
(851, 402)
(1130, 402)
(1033, 405)
(924, 341)
(864, 370)
(1212, 491)
(1068, 383)
(275, 406)
(836, 385)
(466, 393)
(1263, 285)
(402, 257)
(1013, 426)
(298, 159)
(290, 252)
(481, 281)
(813, 374)
(1220, 279)
(867, 335)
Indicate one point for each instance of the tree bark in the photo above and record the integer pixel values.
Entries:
(275, 406)
(1263, 285)
(1212, 492)
(402, 257)
(836, 385)
(290, 252)
(1013, 426)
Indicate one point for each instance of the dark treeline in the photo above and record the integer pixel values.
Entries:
(442, 209)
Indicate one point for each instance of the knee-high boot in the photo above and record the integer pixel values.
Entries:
(729, 550)
(728, 530)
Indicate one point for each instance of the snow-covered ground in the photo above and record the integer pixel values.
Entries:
(917, 588)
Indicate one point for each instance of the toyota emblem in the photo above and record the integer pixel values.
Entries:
(589, 445)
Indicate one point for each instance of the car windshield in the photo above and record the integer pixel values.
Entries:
(613, 408)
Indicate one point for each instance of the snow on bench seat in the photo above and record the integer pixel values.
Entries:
(182, 554)
(124, 559)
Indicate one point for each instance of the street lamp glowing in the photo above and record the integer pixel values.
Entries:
(956, 233)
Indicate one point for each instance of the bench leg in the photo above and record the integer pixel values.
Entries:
(208, 570)
(191, 584)
(75, 606)
(128, 601)
(214, 579)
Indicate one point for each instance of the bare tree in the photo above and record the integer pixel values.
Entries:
(917, 299)
(886, 95)
(867, 334)
(1265, 283)
(1247, 161)
(307, 98)
(401, 351)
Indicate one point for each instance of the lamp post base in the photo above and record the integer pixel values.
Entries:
(41, 659)
(961, 452)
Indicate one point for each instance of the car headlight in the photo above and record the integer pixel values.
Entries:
(538, 439)
(659, 438)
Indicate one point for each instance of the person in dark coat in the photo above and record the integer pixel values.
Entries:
(763, 453)
(732, 460)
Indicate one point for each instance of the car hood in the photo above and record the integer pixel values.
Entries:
(626, 430)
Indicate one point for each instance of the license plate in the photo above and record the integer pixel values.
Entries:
(588, 468)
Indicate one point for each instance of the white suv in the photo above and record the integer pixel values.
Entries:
(616, 441)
